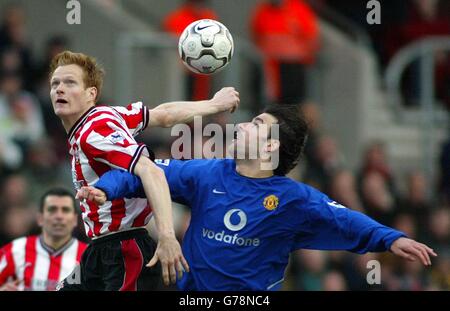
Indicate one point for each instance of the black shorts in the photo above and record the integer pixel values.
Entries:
(116, 263)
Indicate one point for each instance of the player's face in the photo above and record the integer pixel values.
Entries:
(251, 136)
(69, 96)
(58, 218)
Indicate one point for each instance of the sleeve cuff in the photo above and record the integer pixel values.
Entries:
(392, 237)
(135, 158)
(145, 117)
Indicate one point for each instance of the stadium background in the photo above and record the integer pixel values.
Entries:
(377, 97)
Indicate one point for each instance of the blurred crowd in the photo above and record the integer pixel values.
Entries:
(33, 151)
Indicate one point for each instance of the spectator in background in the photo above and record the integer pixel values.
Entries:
(439, 229)
(415, 203)
(16, 213)
(198, 87)
(13, 37)
(310, 268)
(324, 163)
(375, 161)
(20, 115)
(15, 190)
(407, 224)
(334, 281)
(287, 33)
(11, 156)
(17, 221)
(378, 201)
(344, 190)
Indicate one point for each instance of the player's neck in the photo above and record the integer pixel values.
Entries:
(252, 169)
(70, 120)
(55, 243)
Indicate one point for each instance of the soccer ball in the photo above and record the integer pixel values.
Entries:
(206, 46)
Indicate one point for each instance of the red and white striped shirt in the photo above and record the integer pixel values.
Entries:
(101, 140)
(35, 265)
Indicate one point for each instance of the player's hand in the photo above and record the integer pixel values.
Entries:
(168, 252)
(91, 194)
(10, 286)
(412, 250)
(227, 99)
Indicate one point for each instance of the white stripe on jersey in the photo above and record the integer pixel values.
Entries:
(134, 208)
(69, 260)
(41, 268)
(18, 251)
(3, 263)
(104, 216)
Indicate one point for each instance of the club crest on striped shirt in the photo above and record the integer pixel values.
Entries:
(116, 137)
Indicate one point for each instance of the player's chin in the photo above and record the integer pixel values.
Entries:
(59, 232)
(60, 112)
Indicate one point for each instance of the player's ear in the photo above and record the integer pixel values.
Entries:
(272, 145)
(75, 221)
(92, 93)
(40, 218)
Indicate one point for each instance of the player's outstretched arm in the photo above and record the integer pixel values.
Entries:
(169, 114)
(168, 251)
(412, 250)
(331, 226)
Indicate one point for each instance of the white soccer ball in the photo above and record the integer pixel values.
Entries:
(206, 46)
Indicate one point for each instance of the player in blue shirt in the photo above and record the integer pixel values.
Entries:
(246, 220)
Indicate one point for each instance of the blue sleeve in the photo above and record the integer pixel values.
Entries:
(120, 184)
(331, 226)
(180, 177)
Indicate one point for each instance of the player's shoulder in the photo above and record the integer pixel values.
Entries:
(301, 190)
(19, 242)
(103, 113)
(196, 163)
(102, 117)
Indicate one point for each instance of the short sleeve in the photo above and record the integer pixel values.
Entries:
(109, 142)
(136, 116)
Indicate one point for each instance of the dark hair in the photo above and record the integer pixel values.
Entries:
(59, 192)
(293, 131)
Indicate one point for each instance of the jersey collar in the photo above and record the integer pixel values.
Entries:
(51, 250)
(80, 122)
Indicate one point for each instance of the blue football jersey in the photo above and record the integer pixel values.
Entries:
(243, 229)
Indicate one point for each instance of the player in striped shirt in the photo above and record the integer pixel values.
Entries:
(102, 138)
(40, 262)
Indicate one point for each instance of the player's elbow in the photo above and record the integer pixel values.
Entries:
(163, 116)
(146, 166)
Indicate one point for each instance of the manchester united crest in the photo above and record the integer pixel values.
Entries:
(271, 202)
